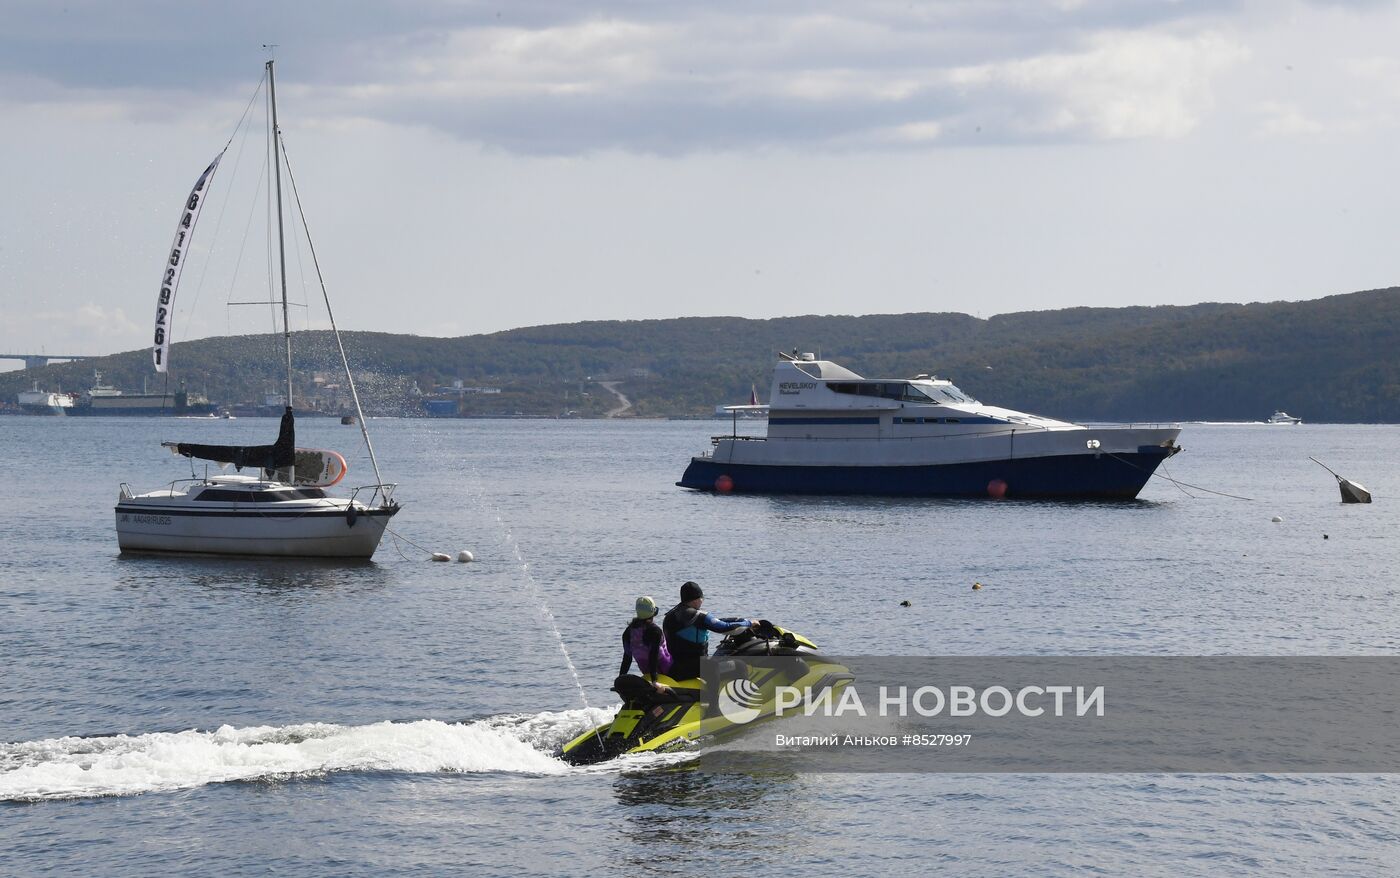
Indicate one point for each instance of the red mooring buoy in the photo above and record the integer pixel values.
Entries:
(724, 484)
(996, 489)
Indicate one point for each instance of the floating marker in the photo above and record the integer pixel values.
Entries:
(441, 556)
(464, 556)
(1276, 519)
(996, 489)
(1352, 492)
(724, 484)
(905, 604)
(976, 586)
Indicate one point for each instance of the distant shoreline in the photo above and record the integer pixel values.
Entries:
(1332, 360)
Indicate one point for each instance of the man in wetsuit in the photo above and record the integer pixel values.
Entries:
(688, 629)
(643, 640)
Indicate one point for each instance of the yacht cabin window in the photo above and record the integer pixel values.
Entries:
(902, 391)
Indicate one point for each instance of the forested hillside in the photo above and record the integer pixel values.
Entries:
(1332, 359)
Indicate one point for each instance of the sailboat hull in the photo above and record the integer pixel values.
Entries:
(321, 534)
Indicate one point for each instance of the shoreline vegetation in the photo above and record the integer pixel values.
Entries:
(1335, 359)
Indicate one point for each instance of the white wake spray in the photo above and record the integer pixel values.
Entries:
(72, 767)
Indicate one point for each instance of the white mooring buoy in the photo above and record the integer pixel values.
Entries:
(441, 556)
(465, 557)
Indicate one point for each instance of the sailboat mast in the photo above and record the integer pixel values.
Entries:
(281, 241)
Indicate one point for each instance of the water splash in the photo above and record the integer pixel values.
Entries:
(117, 765)
(479, 494)
(545, 612)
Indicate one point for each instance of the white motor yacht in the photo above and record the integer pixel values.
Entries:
(831, 431)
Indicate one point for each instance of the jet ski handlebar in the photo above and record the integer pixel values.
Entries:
(764, 629)
(760, 630)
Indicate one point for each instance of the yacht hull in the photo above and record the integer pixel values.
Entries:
(1115, 476)
(320, 534)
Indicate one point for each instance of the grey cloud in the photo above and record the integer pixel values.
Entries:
(723, 75)
(654, 124)
(1356, 5)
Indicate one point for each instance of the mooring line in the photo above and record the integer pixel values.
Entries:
(400, 536)
(1176, 482)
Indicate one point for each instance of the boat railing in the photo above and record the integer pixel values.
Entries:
(1036, 424)
(1016, 426)
(195, 480)
(384, 493)
(982, 434)
(979, 434)
(714, 440)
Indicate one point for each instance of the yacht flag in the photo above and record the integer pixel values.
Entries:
(165, 304)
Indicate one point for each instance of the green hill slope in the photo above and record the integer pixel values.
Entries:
(1332, 359)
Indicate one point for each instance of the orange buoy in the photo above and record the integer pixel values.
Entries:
(724, 484)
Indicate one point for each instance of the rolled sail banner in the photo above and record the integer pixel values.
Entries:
(165, 304)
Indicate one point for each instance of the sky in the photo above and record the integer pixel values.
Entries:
(468, 167)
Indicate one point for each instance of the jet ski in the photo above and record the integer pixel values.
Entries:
(749, 665)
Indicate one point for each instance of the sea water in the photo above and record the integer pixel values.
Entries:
(186, 716)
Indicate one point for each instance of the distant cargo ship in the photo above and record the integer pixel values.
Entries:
(103, 399)
(44, 402)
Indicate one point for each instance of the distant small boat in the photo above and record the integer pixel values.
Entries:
(1282, 417)
(751, 410)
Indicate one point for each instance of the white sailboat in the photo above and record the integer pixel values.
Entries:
(281, 508)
